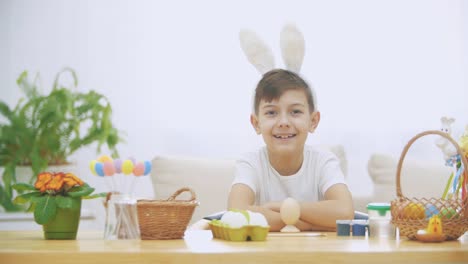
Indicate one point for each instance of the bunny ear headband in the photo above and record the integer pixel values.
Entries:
(261, 57)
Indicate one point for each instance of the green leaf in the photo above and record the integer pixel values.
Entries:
(45, 210)
(80, 191)
(67, 202)
(23, 187)
(96, 195)
(27, 197)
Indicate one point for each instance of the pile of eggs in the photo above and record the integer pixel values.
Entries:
(240, 218)
(417, 211)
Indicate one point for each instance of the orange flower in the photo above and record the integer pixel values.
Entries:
(42, 180)
(57, 182)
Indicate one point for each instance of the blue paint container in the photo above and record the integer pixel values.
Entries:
(359, 227)
(343, 227)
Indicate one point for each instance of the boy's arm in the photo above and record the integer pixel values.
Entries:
(242, 197)
(322, 215)
(338, 205)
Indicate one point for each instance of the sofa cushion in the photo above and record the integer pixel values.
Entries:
(418, 178)
(210, 179)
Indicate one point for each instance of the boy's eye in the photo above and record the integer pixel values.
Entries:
(296, 112)
(270, 113)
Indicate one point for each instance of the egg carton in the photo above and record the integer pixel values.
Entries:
(244, 233)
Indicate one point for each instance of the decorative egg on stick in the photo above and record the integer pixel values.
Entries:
(290, 212)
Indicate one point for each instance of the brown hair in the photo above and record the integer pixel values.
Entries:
(275, 82)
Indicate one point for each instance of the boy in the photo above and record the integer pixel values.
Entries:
(284, 114)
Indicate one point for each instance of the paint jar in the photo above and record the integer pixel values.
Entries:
(380, 221)
(359, 227)
(343, 227)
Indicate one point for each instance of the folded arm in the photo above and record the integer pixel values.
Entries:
(317, 216)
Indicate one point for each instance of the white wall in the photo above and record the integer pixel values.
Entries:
(180, 85)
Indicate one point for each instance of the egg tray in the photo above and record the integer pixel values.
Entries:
(245, 233)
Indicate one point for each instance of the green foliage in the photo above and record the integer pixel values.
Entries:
(45, 204)
(43, 130)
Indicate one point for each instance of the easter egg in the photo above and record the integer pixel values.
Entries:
(127, 167)
(147, 167)
(448, 213)
(104, 158)
(139, 169)
(118, 165)
(109, 169)
(92, 166)
(431, 210)
(290, 211)
(414, 211)
(99, 168)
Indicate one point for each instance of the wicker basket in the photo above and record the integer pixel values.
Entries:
(410, 221)
(165, 219)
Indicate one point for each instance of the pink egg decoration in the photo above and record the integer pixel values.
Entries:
(109, 169)
(139, 169)
(118, 165)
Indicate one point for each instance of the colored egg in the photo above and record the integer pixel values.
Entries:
(147, 167)
(414, 211)
(104, 158)
(92, 166)
(127, 167)
(99, 168)
(118, 165)
(431, 210)
(449, 213)
(109, 169)
(139, 169)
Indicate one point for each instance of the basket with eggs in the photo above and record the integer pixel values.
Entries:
(433, 219)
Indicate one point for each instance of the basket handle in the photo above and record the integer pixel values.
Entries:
(181, 190)
(406, 148)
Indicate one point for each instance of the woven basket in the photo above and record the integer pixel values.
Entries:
(409, 221)
(165, 219)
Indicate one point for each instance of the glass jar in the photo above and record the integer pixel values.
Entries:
(121, 218)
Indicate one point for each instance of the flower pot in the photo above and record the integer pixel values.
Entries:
(65, 224)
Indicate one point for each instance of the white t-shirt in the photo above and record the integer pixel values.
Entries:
(319, 171)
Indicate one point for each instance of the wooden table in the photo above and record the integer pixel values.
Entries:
(199, 247)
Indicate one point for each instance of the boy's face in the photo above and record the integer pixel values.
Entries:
(285, 123)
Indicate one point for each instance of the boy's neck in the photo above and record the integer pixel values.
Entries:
(286, 164)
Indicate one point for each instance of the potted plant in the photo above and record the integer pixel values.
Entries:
(56, 202)
(45, 129)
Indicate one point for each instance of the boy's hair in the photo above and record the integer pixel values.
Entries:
(275, 82)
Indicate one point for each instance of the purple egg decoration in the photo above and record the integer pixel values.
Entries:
(118, 165)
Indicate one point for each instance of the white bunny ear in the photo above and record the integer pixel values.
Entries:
(257, 52)
(292, 47)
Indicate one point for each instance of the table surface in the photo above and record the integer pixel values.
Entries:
(200, 247)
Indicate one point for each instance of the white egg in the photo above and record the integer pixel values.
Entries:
(234, 219)
(257, 219)
(290, 211)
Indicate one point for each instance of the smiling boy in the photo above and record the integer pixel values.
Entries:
(284, 114)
